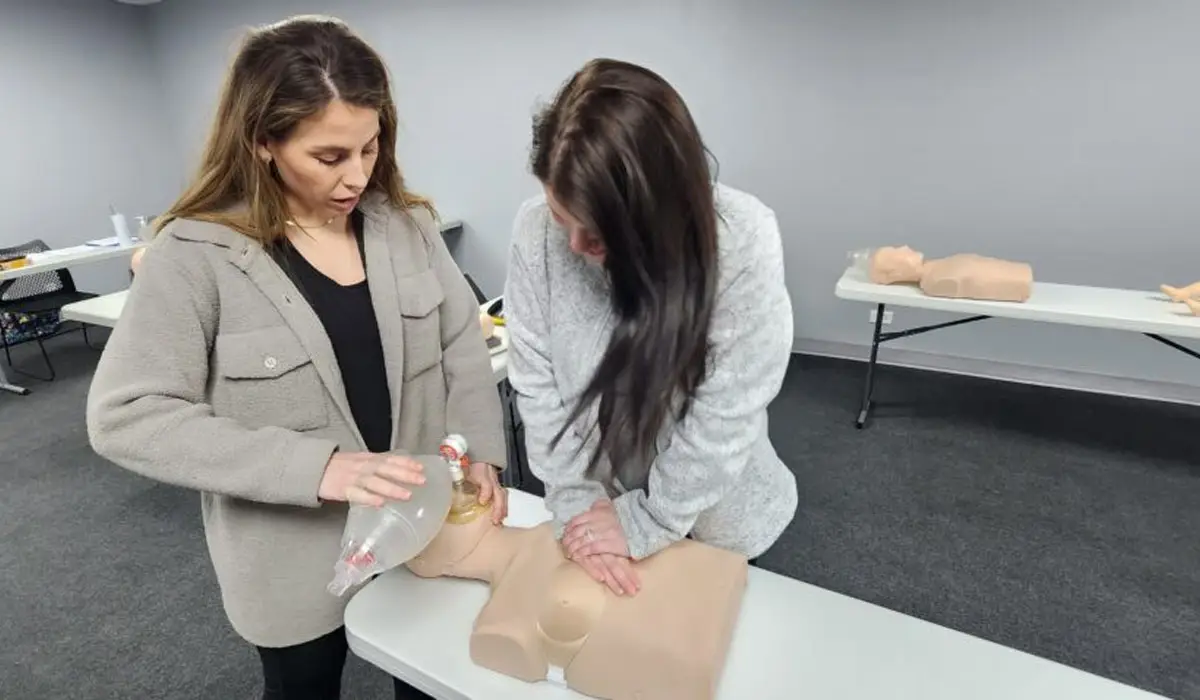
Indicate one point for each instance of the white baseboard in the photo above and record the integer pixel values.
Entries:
(1008, 372)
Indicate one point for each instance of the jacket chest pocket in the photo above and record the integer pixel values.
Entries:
(265, 378)
(421, 297)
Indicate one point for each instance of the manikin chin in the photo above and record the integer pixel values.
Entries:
(547, 619)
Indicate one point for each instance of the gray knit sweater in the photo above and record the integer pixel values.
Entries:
(716, 475)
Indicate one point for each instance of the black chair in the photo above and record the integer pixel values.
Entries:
(479, 295)
(30, 307)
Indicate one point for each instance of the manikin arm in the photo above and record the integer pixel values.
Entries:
(1192, 291)
(531, 372)
(751, 337)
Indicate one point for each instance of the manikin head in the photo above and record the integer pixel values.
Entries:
(896, 264)
(453, 544)
(305, 127)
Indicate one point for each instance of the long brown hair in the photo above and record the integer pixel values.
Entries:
(621, 152)
(283, 74)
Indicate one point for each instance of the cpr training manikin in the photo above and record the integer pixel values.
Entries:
(963, 276)
(969, 276)
(547, 619)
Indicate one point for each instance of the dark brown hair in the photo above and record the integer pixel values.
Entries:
(619, 150)
(283, 74)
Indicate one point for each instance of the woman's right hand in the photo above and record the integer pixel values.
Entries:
(369, 479)
(612, 570)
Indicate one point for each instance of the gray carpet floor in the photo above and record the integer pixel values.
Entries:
(1062, 524)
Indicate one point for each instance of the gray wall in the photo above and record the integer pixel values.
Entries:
(1060, 133)
(80, 125)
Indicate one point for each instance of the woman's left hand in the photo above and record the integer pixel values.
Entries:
(486, 477)
(596, 531)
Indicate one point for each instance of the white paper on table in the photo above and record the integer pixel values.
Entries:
(59, 253)
(110, 242)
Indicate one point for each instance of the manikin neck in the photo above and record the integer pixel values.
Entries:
(491, 556)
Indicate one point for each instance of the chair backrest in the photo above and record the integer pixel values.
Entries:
(37, 284)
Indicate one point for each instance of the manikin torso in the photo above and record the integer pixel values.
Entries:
(547, 617)
(964, 276)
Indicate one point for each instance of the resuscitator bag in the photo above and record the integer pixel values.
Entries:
(377, 539)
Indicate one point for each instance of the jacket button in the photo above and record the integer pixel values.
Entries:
(270, 362)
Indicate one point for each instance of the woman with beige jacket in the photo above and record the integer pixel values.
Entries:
(297, 327)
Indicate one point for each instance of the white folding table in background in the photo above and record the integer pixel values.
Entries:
(792, 640)
(63, 258)
(1137, 311)
(103, 310)
(58, 260)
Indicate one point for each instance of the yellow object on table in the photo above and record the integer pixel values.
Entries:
(14, 263)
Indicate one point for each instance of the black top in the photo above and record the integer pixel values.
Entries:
(349, 320)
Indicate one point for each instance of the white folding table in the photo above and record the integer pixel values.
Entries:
(792, 640)
(99, 311)
(58, 260)
(62, 258)
(1149, 313)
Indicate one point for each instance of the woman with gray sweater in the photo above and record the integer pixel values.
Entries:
(650, 328)
(296, 329)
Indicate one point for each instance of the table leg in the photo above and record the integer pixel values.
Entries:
(1171, 343)
(869, 388)
(5, 385)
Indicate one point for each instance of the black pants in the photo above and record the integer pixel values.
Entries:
(313, 671)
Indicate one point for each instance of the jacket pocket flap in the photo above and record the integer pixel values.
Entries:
(260, 354)
(420, 294)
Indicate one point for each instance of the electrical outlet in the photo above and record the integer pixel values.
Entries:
(887, 317)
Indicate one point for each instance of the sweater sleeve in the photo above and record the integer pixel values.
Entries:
(531, 373)
(751, 342)
(146, 408)
(472, 400)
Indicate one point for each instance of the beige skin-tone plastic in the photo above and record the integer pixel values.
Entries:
(1194, 305)
(669, 641)
(964, 276)
(136, 261)
(1182, 294)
